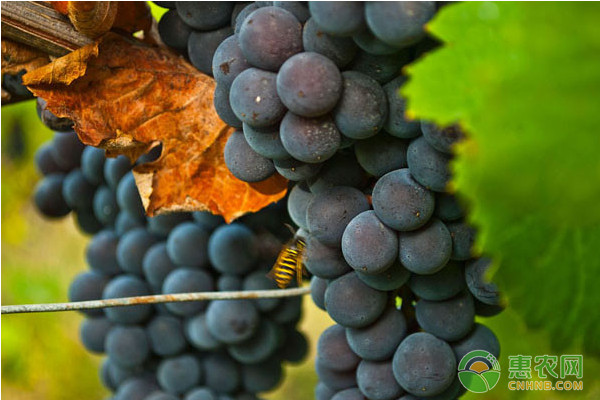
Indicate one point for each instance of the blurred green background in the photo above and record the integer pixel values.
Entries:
(42, 358)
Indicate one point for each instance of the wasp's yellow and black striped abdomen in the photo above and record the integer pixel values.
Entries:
(289, 263)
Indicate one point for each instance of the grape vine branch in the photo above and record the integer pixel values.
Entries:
(154, 299)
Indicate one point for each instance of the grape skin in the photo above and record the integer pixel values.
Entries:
(381, 154)
(233, 249)
(338, 18)
(374, 342)
(463, 237)
(186, 280)
(128, 197)
(161, 396)
(396, 124)
(254, 100)
(480, 338)
(44, 160)
(201, 393)
(243, 162)
(266, 141)
(318, 286)
(259, 347)
(269, 36)
(101, 253)
(295, 347)
(349, 394)
(66, 150)
(173, 31)
(127, 286)
(179, 374)
(165, 335)
(479, 285)
(48, 196)
(362, 109)
(127, 345)
(428, 166)
(131, 250)
(330, 211)
(424, 365)
(88, 286)
(426, 250)
(223, 374)
(382, 68)
(400, 202)
(450, 319)
(334, 351)
(187, 245)
(77, 191)
(297, 8)
(310, 140)
(115, 169)
(203, 45)
(93, 332)
(223, 107)
(368, 245)
(340, 170)
(339, 50)
(161, 225)
(257, 280)
(295, 170)
(261, 377)
(371, 44)
(205, 15)
(198, 335)
(376, 380)
(353, 304)
(309, 84)
(442, 285)
(232, 321)
(441, 139)
(399, 23)
(392, 278)
(322, 392)
(335, 380)
(297, 204)
(136, 388)
(228, 62)
(105, 205)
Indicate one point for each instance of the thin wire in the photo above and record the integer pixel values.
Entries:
(155, 299)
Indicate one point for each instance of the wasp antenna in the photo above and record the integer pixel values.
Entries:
(291, 228)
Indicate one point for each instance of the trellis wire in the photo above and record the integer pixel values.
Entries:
(154, 299)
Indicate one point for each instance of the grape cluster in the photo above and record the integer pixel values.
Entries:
(219, 350)
(399, 277)
(302, 83)
(314, 92)
(196, 28)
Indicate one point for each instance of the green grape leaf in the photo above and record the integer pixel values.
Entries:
(523, 80)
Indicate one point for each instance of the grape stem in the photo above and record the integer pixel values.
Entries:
(154, 299)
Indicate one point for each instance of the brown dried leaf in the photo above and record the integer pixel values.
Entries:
(126, 97)
(217, 190)
(133, 16)
(17, 57)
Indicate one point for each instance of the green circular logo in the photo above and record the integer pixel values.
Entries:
(479, 371)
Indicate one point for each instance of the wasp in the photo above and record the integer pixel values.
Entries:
(289, 262)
